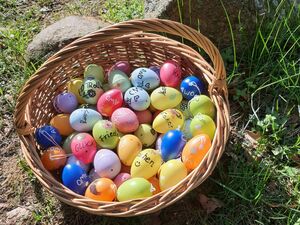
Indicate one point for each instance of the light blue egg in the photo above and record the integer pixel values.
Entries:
(145, 78)
(137, 98)
(83, 120)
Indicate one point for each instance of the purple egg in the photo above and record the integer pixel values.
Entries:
(156, 69)
(65, 102)
(123, 66)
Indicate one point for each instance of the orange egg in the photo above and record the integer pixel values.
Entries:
(195, 150)
(102, 189)
(62, 123)
(54, 158)
(155, 183)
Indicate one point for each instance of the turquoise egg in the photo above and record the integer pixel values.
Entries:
(137, 98)
(145, 78)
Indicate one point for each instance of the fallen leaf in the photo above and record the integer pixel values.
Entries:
(209, 204)
(252, 138)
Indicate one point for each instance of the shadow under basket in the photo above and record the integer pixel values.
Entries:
(123, 41)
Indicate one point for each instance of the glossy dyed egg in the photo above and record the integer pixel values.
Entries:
(105, 134)
(170, 73)
(123, 66)
(146, 164)
(169, 119)
(102, 189)
(165, 98)
(146, 134)
(109, 102)
(119, 80)
(125, 120)
(191, 86)
(73, 160)
(75, 178)
(134, 188)
(203, 124)
(129, 147)
(186, 130)
(121, 178)
(95, 71)
(93, 175)
(172, 144)
(107, 163)
(54, 158)
(145, 78)
(144, 116)
(62, 123)
(137, 98)
(202, 104)
(183, 106)
(91, 90)
(84, 147)
(171, 173)
(155, 185)
(74, 86)
(67, 143)
(83, 120)
(156, 69)
(47, 136)
(195, 151)
(65, 102)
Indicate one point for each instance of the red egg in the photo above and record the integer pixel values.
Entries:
(170, 73)
(144, 116)
(110, 101)
(125, 120)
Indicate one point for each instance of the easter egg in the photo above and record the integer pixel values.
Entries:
(202, 104)
(186, 130)
(84, 147)
(165, 98)
(123, 66)
(121, 178)
(73, 160)
(191, 86)
(84, 119)
(93, 175)
(195, 151)
(67, 143)
(156, 69)
(107, 163)
(183, 106)
(65, 102)
(106, 134)
(144, 116)
(129, 147)
(91, 90)
(171, 173)
(102, 189)
(62, 123)
(146, 134)
(146, 164)
(170, 73)
(203, 124)
(158, 143)
(119, 80)
(172, 144)
(145, 78)
(54, 158)
(75, 178)
(47, 136)
(137, 98)
(109, 102)
(134, 188)
(95, 71)
(74, 86)
(155, 185)
(168, 119)
(125, 120)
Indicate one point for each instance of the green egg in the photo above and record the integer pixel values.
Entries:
(95, 71)
(67, 143)
(203, 124)
(146, 134)
(183, 106)
(118, 79)
(134, 188)
(202, 104)
(105, 134)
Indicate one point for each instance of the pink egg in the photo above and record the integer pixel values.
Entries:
(144, 116)
(124, 66)
(121, 178)
(83, 147)
(170, 73)
(125, 120)
(109, 102)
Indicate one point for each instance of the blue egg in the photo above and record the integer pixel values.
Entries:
(75, 178)
(191, 86)
(145, 78)
(172, 144)
(47, 136)
(137, 98)
(83, 120)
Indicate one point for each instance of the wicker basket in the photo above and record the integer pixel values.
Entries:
(122, 41)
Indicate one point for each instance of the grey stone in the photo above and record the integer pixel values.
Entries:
(59, 34)
(17, 215)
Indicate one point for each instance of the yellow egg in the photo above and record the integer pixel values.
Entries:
(74, 86)
(129, 147)
(203, 124)
(165, 98)
(146, 134)
(146, 164)
(169, 119)
(171, 173)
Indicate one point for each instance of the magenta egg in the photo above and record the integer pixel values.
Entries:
(121, 178)
(170, 73)
(109, 102)
(84, 147)
(107, 163)
(65, 102)
(125, 120)
(144, 116)
(124, 66)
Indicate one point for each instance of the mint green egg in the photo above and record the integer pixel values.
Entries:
(203, 124)
(67, 143)
(95, 71)
(106, 134)
(202, 104)
(134, 188)
(118, 79)
(91, 90)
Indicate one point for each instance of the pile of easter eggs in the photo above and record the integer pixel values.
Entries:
(127, 133)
